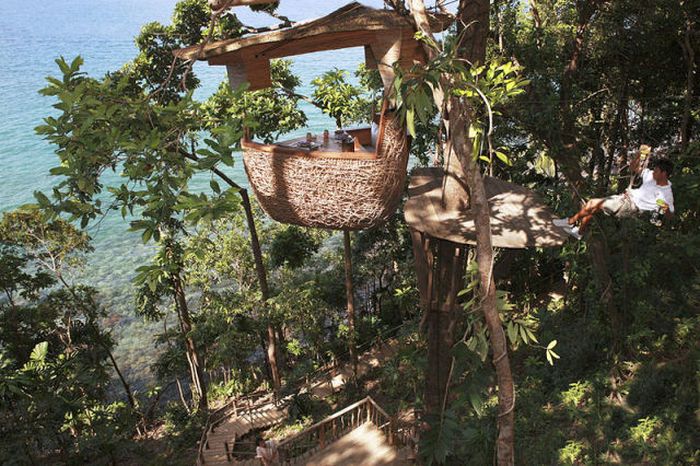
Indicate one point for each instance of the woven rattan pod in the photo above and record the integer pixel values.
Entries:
(349, 191)
(325, 188)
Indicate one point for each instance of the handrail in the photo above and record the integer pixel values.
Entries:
(324, 432)
(281, 150)
(323, 421)
(220, 414)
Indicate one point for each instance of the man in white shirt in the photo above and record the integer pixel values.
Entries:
(654, 193)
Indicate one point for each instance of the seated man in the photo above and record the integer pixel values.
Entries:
(266, 451)
(654, 193)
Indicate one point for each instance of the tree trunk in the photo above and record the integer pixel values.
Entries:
(181, 394)
(264, 290)
(272, 347)
(689, 55)
(476, 12)
(459, 116)
(347, 253)
(281, 345)
(125, 384)
(193, 359)
(440, 267)
(475, 15)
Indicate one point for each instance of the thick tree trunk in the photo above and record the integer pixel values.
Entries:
(473, 22)
(440, 266)
(347, 253)
(474, 14)
(194, 361)
(459, 116)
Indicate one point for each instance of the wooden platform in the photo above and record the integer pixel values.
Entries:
(519, 219)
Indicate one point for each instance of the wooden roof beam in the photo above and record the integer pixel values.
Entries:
(318, 43)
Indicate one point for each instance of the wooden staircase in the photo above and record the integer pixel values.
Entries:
(366, 446)
(361, 434)
(226, 425)
(217, 445)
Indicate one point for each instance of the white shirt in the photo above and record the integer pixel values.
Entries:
(646, 195)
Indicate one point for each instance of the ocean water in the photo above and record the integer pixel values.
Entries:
(33, 33)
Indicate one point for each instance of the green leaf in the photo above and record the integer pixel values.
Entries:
(503, 157)
(410, 115)
(512, 332)
(42, 199)
(146, 235)
(215, 186)
(59, 171)
(531, 335)
(39, 352)
(523, 333)
(476, 402)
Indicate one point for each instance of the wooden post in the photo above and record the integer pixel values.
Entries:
(322, 436)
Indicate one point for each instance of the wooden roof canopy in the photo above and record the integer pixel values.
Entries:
(386, 36)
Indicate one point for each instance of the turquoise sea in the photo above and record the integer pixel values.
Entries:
(33, 33)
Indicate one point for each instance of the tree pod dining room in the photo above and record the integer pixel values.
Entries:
(331, 184)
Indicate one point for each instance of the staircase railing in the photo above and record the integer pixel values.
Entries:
(243, 404)
(216, 417)
(321, 434)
